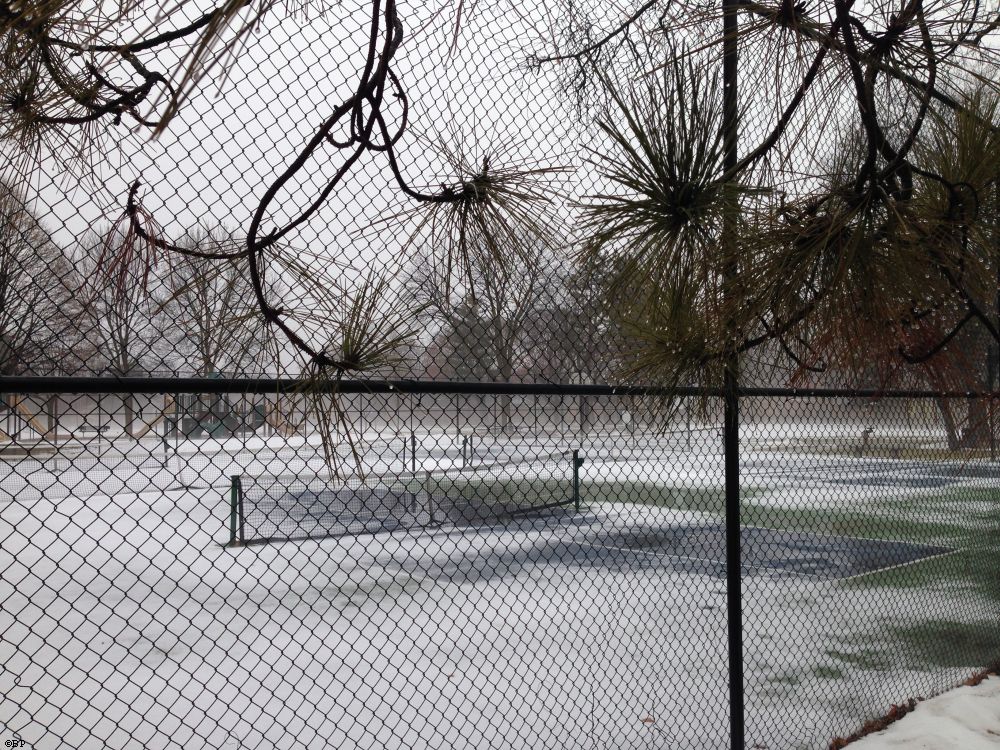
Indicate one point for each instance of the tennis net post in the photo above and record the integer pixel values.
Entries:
(430, 501)
(236, 516)
(577, 463)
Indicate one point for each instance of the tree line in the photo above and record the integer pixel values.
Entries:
(68, 311)
(63, 311)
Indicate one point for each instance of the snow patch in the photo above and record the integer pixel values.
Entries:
(967, 717)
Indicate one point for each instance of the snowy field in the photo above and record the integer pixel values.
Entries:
(126, 623)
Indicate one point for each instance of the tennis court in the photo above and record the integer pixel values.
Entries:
(277, 509)
(391, 597)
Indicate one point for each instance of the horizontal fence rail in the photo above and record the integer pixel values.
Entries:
(31, 384)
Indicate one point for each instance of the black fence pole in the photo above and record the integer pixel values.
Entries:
(430, 502)
(242, 513)
(731, 444)
(993, 351)
(577, 463)
(235, 511)
(734, 582)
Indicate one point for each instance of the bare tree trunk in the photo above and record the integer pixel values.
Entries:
(506, 372)
(506, 375)
(951, 428)
(977, 431)
(52, 417)
(129, 413)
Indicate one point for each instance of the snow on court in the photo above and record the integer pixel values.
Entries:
(127, 623)
(966, 718)
(387, 640)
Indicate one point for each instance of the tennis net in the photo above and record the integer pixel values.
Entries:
(273, 508)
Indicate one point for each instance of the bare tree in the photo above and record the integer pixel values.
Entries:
(211, 302)
(40, 318)
(493, 321)
(495, 314)
(128, 332)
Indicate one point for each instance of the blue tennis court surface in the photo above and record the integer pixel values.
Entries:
(557, 535)
(701, 549)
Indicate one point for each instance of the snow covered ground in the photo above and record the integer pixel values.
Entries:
(126, 622)
(967, 717)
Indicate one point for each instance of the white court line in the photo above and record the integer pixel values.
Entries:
(903, 565)
(714, 560)
(782, 570)
(841, 536)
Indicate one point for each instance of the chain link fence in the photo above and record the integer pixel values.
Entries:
(321, 423)
(473, 580)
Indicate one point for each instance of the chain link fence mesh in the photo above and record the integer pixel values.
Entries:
(505, 566)
(478, 591)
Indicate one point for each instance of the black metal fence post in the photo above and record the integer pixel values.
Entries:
(731, 444)
(734, 582)
(236, 534)
(430, 502)
(577, 463)
(242, 513)
(994, 361)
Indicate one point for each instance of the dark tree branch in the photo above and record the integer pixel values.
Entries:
(788, 351)
(916, 359)
(590, 49)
